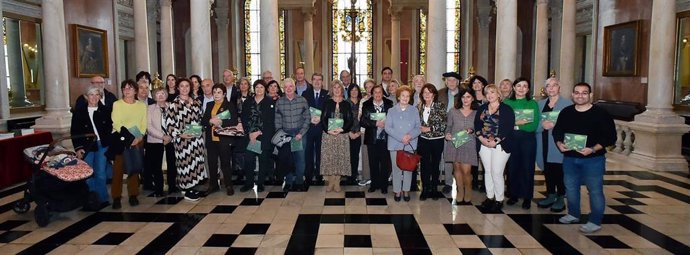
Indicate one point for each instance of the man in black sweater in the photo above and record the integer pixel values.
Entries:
(584, 161)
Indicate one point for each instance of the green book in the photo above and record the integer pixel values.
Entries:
(193, 129)
(135, 132)
(378, 116)
(296, 145)
(550, 116)
(314, 112)
(254, 147)
(335, 123)
(575, 141)
(460, 138)
(524, 114)
(225, 115)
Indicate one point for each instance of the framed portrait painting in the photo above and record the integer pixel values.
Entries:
(89, 51)
(621, 49)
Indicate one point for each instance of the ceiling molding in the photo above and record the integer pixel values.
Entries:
(23, 8)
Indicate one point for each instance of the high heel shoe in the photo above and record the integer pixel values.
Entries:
(396, 197)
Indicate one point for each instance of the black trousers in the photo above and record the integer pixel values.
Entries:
(265, 166)
(153, 170)
(312, 153)
(379, 164)
(553, 175)
(355, 147)
(246, 163)
(431, 151)
(215, 150)
(171, 174)
(521, 168)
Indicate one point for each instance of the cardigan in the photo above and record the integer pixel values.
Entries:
(553, 154)
(155, 132)
(400, 123)
(506, 123)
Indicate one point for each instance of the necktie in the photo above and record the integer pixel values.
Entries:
(316, 98)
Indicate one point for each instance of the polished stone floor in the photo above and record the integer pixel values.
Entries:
(647, 213)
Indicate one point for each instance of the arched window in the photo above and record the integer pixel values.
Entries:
(252, 42)
(342, 38)
(453, 35)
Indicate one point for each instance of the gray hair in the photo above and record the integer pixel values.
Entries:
(546, 83)
(93, 90)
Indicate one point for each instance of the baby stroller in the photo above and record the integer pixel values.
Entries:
(58, 181)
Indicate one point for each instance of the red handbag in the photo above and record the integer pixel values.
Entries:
(407, 161)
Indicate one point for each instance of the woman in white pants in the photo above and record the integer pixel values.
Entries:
(494, 123)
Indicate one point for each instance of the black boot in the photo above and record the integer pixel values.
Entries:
(497, 206)
(424, 194)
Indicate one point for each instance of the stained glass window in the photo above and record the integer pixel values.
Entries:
(453, 35)
(342, 38)
(422, 42)
(252, 42)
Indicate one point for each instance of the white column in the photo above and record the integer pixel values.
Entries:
(153, 35)
(200, 14)
(556, 14)
(378, 43)
(566, 68)
(4, 98)
(506, 39)
(395, 41)
(436, 43)
(58, 117)
(661, 58)
(222, 24)
(167, 52)
(467, 8)
(484, 21)
(270, 50)
(541, 46)
(141, 36)
(308, 15)
(237, 42)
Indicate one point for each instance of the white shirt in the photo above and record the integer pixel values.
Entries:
(206, 100)
(95, 131)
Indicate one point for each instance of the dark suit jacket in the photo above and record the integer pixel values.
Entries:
(110, 98)
(329, 112)
(267, 107)
(309, 86)
(443, 97)
(81, 124)
(310, 96)
(370, 125)
(506, 123)
(232, 108)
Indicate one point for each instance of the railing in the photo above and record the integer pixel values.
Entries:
(625, 138)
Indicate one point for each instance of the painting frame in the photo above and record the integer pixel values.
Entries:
(89, 51)
(621, 55)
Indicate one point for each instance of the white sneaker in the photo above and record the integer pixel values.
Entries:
(364, 182)
(567, 219)
(589, 228)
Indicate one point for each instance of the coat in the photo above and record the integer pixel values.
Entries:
(345, 113)
(267, 107)
(226, 105)
(81, 124)
(369, 124)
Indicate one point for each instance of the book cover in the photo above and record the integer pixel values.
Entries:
(335, 123)
(254, 147)
(550, 116)
(135, 132)
(378, 116)
(460, 138)
(225, 115)
(193, 129)
(575, 141)
(314, 112)
(524, 114)
(296, 145)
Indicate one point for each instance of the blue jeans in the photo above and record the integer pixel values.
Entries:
(590, 172)
(97, 161)
(298, 157)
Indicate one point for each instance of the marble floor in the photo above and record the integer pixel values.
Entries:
(647, 213)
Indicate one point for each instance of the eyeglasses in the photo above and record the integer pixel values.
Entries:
(580, 93)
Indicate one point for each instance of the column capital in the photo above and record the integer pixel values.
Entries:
(542, 2)
(395, 11)
(308, 13)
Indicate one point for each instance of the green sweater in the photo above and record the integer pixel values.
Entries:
(519, 104)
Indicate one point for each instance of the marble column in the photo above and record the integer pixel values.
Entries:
(395, 13)
(658, 131)
(4, 97)
(167, 52)
(541, 46)
(270, 49)
(308, 15)
(556, 14)
(152, 8)
(16, 72)
(57, 118)
(141, 36)
(484, 22)
(567, 62)
(200, 14)
(222, 24)
(436, 43)
(237, 42)
(506, 39)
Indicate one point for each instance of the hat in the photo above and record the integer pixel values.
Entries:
(280, 138)
(452, 74)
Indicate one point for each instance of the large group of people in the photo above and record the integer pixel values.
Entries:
(305, 133)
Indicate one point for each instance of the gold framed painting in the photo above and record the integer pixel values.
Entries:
(621, 49)
(89, 51)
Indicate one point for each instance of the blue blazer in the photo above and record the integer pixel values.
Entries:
(506, 123)
(553, 155)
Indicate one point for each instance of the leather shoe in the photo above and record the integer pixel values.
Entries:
(512, 201)
(406, 198)
(133, 201)
(371, 189)
(384, 191)
(229, 191)
(117, 204)
(396, 198)
(423, 196)
(526, 204)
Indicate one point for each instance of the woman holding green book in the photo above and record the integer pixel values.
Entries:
(219, 113)
(521, 167)
(461, 148)
(258, 118)
(182, 120)
(336, 121)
